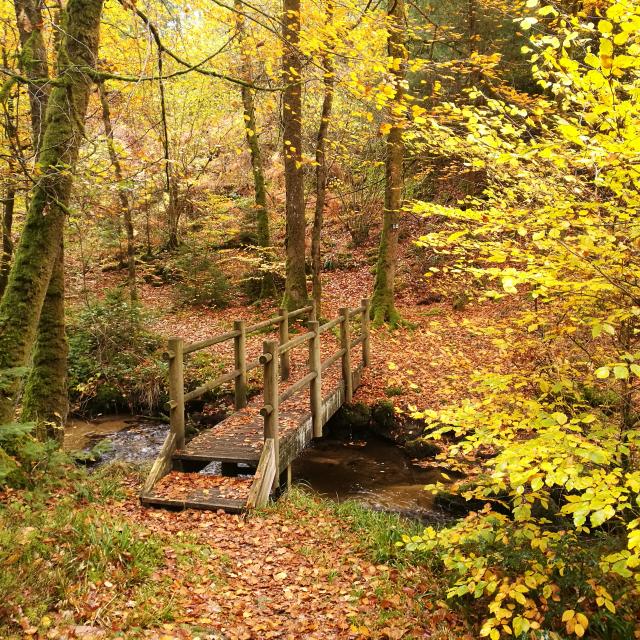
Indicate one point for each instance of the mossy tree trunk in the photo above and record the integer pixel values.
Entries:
(125, 205)
(33, 62)
(295, 295)
(46, 398)
(40, 243)
(253, 142)
(383, 303)
(321, 167)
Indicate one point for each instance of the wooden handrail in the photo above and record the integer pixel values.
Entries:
(294, 388)
(327, 326)
(197, 346)
(225, 377)
(296, 342)
(331, 360)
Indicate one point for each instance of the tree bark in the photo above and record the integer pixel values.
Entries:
(46, 398)
(295, 295)
(383, 304)
(33, 62)
(41, 238)
(125, 205)
(257, 166)
(321, 168)
(8, 206)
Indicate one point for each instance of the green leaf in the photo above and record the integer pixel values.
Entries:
(621, 372)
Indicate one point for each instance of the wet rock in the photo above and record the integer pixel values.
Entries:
(351, 420)
(421, 448)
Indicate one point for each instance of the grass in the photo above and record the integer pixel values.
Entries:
(378, 530)
(63, 556)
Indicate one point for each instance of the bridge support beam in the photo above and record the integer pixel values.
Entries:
(176, 389)
(269, 360)
(315, 388)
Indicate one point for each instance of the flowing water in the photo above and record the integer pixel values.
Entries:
(128, 439)
(374, 472)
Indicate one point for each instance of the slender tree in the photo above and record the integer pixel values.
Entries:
(295, 295)
(40, 243)
(382, 304)
(321, 162)
(253, 142)
(125, 204)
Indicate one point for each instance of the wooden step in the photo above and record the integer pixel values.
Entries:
(197, 491)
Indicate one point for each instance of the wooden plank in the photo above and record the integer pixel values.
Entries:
(315, 389)
(327, 326)
(162, 464)
(300, 312)
(265, 474)
(208, 503)
(345, 345)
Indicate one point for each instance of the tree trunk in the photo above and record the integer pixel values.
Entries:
(8, 205)
(383, 304)
(125, 205)
(41, 239)
(295, 295)
(321, 168)
(33, 62)
(46, 398)
(9, 199)
(257, 166)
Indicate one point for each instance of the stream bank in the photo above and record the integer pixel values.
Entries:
(361, 458)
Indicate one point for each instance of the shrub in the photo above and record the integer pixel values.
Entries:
(201, 280)
(114, 362)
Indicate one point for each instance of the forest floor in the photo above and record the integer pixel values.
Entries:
(303, 568)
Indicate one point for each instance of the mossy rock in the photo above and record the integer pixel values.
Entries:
(350, 418)
(421, 448)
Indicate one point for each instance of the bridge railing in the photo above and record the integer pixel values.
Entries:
(273, 397)
(177, 349)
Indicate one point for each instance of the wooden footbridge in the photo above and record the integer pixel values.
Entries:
(258, 442)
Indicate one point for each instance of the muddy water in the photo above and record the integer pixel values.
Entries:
(374, 472)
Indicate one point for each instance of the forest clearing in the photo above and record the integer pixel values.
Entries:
(320, 319)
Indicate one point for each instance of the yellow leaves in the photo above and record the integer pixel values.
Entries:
(576, 623)
(508, 284)
(605, 27)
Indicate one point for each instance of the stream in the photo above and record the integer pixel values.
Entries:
(374, 472)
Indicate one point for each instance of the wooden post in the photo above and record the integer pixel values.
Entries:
(315, 388)
(284, 337)
(240, 363)
(269, 360)
(313, 314)
(176, 390)
(345, 343)
(366, 346)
